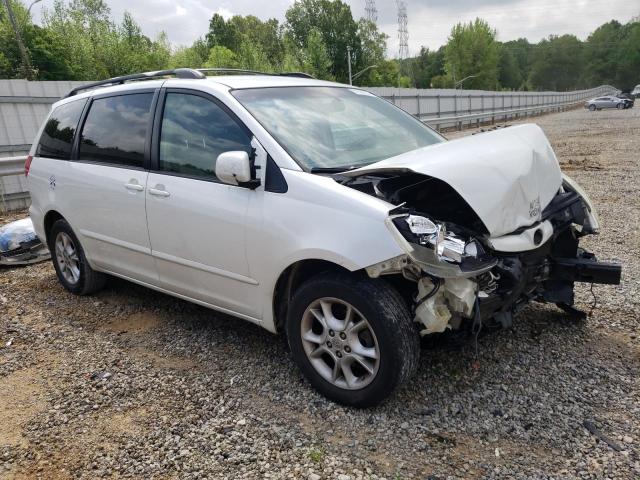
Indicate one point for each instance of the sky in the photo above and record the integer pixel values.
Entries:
(429, 24)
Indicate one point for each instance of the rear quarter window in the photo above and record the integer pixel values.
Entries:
(57, 137)
(115, 130)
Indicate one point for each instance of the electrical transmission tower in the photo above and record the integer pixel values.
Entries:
(403, 32)
(371, 10)
(403, 37)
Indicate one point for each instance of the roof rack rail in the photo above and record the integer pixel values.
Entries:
(296, 74)
(178, 72)
(238, 71)
(241, 71)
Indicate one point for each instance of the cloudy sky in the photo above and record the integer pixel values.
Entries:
(429, 20)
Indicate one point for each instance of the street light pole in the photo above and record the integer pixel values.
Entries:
(461, 81)
(349, 64)
(26, 63)
(32, 4)
(356, 75)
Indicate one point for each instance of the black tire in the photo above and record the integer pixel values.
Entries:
(388, 317)
(620, 106)
(89, 281)
(592, 107)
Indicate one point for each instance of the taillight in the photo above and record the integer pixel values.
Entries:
(27, 165)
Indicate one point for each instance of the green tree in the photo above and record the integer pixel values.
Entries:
(333, 19)
(5, 66)
(557, 64)
(96, 47)
(252, 57)
(510, 75)
(47, 54)
(373, 46)
(600, 53)
(194, 56)
(472, 51)
(317, 62)
(219, 34)
(629, 57)
(522, 52)
(428, 65)
(238, 30)
(221, 57)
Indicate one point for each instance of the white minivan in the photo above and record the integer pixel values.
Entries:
(310, 208)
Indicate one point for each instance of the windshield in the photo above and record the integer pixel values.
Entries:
(329, 127)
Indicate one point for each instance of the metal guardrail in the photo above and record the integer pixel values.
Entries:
(12, 166)
(458, 120)
(449, 108)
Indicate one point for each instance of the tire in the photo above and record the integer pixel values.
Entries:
(77, 277)
(620, 106)
(389, 332)
(592, 108)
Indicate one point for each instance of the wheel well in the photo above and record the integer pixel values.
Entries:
(294, 276)
(49, 219)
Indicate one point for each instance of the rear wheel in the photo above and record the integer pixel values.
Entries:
(74, 272)
(352, 338)
(619, 106)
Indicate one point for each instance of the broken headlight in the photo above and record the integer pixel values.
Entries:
(447, 245)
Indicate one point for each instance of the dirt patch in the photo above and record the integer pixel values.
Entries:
(21, 398)
(137, 323)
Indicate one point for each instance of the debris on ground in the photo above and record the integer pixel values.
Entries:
(19, 244)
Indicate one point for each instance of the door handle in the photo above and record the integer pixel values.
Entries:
(134, 186)
(158, 193)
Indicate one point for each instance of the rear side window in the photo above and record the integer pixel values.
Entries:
(115, 130)
(57, 136)
(194, 132)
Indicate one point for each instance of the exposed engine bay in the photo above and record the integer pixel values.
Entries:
(467, 270)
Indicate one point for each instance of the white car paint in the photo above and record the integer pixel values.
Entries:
(507, 176)
(225, 246)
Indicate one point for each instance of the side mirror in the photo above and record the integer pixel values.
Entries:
(235, 168)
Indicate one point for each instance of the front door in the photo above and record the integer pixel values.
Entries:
(196, 223)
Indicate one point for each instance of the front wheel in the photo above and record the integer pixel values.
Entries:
(352, 338)
(619, 106)
(592, 107)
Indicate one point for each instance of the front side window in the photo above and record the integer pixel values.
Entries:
(195, 130)
(57, 136)
(115, 130)
(327, 127)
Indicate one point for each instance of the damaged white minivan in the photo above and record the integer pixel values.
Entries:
(310, 208)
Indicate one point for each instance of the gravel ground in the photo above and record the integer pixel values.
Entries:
(133, 383)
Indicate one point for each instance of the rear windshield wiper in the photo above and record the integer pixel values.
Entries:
(334, 169)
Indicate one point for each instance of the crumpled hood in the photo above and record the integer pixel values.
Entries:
(507, 176)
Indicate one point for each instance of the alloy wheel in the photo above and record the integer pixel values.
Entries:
(340, 343)
(67, 258)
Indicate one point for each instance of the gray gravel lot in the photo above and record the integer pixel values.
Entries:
(133, 383)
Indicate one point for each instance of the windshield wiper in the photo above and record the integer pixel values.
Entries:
(334, 169)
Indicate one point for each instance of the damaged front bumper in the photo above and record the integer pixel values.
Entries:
(493, 285)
